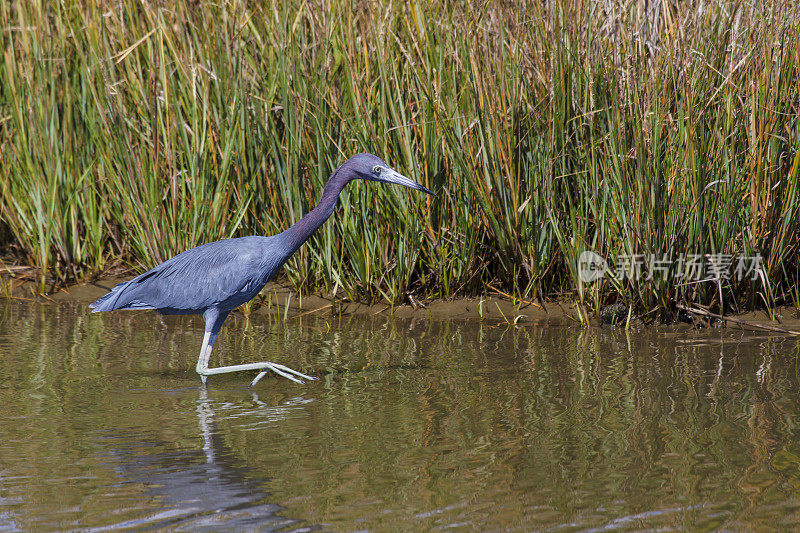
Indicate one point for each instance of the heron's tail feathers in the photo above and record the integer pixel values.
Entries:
(116, 300)
(109, 301)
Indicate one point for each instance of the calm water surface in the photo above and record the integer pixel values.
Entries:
(413, 425)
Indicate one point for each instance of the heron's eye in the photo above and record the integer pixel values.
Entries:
(377, 169)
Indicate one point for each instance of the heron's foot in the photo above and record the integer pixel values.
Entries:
(283, 371)
(265, 367)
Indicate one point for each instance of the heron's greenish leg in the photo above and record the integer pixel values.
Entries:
(202, 360)
(214, 320)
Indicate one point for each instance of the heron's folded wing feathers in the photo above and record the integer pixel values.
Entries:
(193, 280)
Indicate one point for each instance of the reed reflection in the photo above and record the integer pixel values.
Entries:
(420, 424)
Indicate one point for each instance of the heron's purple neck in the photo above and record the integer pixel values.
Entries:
(306, 226)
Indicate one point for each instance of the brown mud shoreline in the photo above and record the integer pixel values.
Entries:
(493, 308)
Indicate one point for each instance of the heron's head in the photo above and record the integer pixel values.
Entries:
(373, 168)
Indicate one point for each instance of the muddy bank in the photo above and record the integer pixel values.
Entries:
(280, 299)
(277, 298)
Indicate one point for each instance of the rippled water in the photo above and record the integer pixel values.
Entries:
(413, 425)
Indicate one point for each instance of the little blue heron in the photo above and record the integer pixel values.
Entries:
(215, 278)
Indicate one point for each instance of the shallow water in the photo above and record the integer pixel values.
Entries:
(413, 425)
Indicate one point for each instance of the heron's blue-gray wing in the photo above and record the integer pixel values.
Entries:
(223, 273)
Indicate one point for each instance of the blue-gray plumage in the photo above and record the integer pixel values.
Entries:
(215, 278)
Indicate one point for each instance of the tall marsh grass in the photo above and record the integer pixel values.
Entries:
(132, 130)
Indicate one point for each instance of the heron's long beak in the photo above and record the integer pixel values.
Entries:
(399, 179)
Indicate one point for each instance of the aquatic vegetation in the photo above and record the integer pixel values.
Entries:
(134, 130)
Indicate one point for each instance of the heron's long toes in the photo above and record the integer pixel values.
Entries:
(276, 368)
(295, 372)
(257, 379)
(281, 370)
